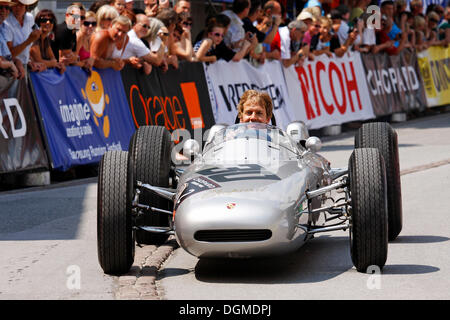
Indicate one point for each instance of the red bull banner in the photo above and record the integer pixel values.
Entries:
(21, 146)
(83, 115)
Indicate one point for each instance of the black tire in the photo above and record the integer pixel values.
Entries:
(381, 136)
(369, 211)
(115, 236)
(150, 149)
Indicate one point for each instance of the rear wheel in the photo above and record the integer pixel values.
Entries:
(381, 136)
(115, 240)
(369, 220)
(150, 150)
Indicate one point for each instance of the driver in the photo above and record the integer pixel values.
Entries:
(255, 106)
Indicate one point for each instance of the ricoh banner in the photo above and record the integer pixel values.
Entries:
(83, 115)
(21, 146)
(229, 80)
(326, 91)
(394, 82)
(434, 64)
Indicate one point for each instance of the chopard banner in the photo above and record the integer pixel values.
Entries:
(328, 91)
(21, 146)
(434, 66)
(229, 80)
(394, 82)
(176, 99)
(83, 115)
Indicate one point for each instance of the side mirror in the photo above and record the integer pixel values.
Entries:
(191, 148)
(298, 131)
(313, 144)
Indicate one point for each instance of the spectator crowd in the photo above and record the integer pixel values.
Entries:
(111, 34)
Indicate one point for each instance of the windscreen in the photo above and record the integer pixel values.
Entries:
(265, 134)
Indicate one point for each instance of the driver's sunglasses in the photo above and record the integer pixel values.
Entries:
(146, 26)
(75, 16)
(5, 8)
(187, 24)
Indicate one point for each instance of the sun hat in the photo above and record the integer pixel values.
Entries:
(304, 15)
(28, 2)
(8, 2)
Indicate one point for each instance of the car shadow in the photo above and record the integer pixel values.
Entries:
(319, 260)
(419, 239)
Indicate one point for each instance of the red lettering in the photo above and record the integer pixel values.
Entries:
(328, 107)
(305, 89)
(178, 111)
(352, 85)
(316, 101)
(132, 106)
(161, 112)
(334, 67)
(167, 115)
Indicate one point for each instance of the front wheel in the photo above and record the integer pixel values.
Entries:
(150, 151)
(382, 136)
(369, 209)
(115, 236)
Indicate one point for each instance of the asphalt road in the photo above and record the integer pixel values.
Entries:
(418, 264)
(48, 242)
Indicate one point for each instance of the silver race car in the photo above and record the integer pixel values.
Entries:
(254, 190)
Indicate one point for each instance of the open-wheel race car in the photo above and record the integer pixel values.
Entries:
(254, 190)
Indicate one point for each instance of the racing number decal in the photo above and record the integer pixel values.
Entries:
(241, 172)
(194, 186)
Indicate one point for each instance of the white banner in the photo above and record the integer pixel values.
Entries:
(328, 91)
(229, 80)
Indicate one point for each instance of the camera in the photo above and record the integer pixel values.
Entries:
(35, 27)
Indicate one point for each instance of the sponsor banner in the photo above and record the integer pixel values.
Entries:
(21, 146)
(328, 91)
(394, 82)
(83, 116)
(176, 99)
(434, 64)
(231, 79)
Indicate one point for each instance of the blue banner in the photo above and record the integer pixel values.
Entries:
(83, 116)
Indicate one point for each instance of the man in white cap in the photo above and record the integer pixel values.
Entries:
(306, 17)
(21, 33)
(129, 4)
